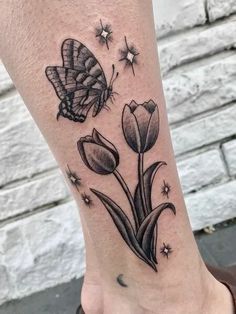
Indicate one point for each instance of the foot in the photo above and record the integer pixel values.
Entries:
(98, 297)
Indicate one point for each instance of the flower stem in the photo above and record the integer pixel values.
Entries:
(141, 182)
(125, 188)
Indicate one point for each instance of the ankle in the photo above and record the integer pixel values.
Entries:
(92, 294)
(218, 298)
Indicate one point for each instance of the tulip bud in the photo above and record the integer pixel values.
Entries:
(140, 124)
(98, 153)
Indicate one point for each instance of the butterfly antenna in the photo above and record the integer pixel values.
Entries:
(112, 75)
(126, 43)
(117, 74)
(58, 115)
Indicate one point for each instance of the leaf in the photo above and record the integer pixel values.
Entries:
(148, 178)
(124, 226)
(145, 232)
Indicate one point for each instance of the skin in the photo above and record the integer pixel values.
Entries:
(30, 40)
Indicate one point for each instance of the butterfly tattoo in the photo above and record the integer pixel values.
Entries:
(80, 83)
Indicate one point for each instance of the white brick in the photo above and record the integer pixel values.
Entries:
(204, 131)
(41, 251)
(171, 15)
(212, 206)
(196, 44)
(220, 8)
(12, 110)
(31, 195)
(5, 80)
(5, 285)
(200, 87)
(23, 151)
(229, 150)
(201, 170)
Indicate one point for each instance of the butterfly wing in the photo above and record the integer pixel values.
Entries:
(80, 83)
(78, 57)
(77, 105)
(63, 80)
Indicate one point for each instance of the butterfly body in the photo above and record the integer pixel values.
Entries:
(80, 83)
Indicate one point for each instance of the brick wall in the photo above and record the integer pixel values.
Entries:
(41, 242)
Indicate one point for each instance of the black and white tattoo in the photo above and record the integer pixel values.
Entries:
(165, 189)
(74, 179)
(120, 281)
(129, 55)
(104, 33)
(166, 250)
(80, 83)
(140, 124)
(87, 199)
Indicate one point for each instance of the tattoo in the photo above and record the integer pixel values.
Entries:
(140, 124)
(165, 189)
(120, 281)
(87, 200)
(80, 82)
(73, 178)
(166, 250)
(129, 55)
(104, 33)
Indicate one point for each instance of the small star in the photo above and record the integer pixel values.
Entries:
(87, 199)
(129, 55)
(166, 189)
(166, 250)
(73, 178)
(104, 33)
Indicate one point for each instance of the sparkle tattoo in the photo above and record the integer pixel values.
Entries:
(166, 189)
(129, 55)
(74, 179)
(87, 199)
(139, 229)
(104, 33)
(166, 250)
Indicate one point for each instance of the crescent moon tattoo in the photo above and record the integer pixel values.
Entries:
(120, 281)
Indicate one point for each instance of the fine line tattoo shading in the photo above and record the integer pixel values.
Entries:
(140, 125)
(87, 199)
(80, 83)
(74, 179)
(120, 281)
(166, 250)
(129, 55)
(165, 189)
(104, 33)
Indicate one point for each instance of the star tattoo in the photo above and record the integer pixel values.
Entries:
(73, 178)
(87, 199)
(166, 189)
(104, 33)
(129, 55)
(166, 250)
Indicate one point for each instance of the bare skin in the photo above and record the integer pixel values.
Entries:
(31, 38)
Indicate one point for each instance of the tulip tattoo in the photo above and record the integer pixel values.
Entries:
(140, 125)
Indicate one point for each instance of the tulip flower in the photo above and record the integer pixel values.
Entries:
(140, 124)
(98, 153)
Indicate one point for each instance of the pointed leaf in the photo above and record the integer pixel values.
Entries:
(148, 177)
(145, 232)
(124, 226)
